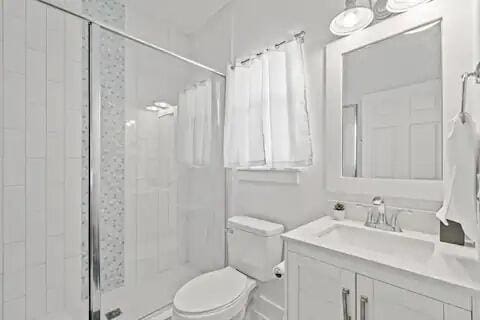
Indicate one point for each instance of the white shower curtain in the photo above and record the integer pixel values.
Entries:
(194, 127)
(266, 116)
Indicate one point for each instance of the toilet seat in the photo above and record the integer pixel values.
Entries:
(215, 295)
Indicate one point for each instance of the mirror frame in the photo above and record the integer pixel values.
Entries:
(458, 53)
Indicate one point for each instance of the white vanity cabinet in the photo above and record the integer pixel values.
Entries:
(320, 291)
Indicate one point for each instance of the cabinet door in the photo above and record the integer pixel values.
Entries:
(318, 291)
(455, 313)
(380, 301)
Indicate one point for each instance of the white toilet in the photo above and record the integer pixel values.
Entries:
(254, 248)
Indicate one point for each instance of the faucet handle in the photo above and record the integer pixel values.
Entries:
(394, 219)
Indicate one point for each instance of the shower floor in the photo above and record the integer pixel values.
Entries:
(141, 300)
(146, 298)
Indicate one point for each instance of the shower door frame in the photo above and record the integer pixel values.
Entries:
(94, 170)
(95, 27)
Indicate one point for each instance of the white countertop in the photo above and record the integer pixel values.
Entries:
(449, 263)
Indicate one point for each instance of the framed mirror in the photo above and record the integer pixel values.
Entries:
(392, 107)
(391, 91)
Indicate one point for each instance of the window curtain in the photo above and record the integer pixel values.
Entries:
(266, 114)
(194, 126)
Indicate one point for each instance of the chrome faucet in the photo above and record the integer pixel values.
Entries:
(382, 221)
(377, 216)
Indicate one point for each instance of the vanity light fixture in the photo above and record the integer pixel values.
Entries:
(399, 6)
(356, 16)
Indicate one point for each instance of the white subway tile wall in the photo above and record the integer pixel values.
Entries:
(40, 147)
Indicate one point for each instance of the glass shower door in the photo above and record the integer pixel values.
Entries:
(160, 177)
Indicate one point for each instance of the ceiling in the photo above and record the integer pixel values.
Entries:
(187, 15)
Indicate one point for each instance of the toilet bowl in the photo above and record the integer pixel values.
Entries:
(218, 295)
(254, 248)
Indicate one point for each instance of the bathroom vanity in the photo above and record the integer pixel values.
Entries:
(391, 91)
(344, 270)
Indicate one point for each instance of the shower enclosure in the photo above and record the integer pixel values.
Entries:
(113, 184)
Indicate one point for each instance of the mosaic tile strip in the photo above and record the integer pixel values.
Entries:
(112, 202)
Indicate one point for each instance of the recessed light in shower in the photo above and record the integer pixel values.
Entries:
(162, 105)
(153, 108)
(158, 106)
(130, 123)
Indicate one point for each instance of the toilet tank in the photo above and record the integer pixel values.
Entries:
(254, 246)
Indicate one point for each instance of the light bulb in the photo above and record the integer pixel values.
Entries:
(350, 19)
(152, 108)
(161, 104)
(398, 6)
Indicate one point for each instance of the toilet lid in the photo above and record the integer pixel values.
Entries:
(210, 291)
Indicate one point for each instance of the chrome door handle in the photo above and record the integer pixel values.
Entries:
(363, 307)
(345, 293)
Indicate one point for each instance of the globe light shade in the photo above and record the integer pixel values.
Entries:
(399, 6)
(351, 20)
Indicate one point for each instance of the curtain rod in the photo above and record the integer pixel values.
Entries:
(300, 35)
(125, 35)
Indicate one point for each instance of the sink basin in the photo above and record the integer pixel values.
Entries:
(376, 244)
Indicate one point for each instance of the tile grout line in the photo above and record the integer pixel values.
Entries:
(64, 156)
(25, 155)
(45, 206)
(3, 158)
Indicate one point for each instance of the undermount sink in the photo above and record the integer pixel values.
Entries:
(371, 243)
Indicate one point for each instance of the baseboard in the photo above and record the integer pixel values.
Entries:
(258, 316)
(266, 309)
(163, 314)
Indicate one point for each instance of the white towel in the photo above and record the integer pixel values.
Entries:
(460, 203)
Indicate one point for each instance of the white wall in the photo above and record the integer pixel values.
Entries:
(154, 30)
(41, 161)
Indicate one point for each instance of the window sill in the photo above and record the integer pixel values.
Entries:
(265, 175)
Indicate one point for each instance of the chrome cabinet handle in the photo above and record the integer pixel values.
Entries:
(363, 307)
(345, 293)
